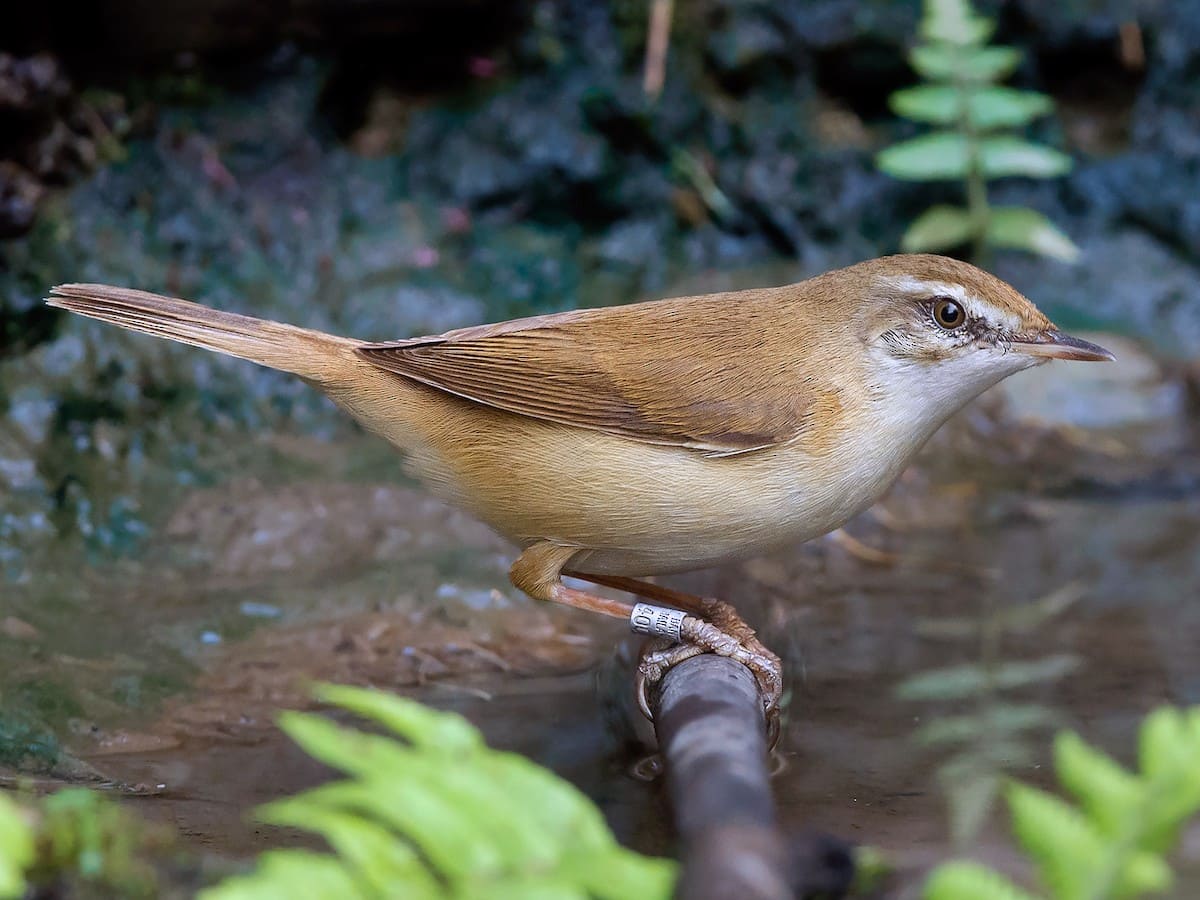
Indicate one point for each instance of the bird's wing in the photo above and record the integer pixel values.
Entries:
(702, 373)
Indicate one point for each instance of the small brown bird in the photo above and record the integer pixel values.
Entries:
(663, 436)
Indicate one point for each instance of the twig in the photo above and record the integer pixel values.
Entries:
(709, 720)
(658, 39)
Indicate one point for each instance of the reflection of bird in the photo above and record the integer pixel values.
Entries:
(664, 436)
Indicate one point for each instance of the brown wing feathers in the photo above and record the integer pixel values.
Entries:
(615, 370)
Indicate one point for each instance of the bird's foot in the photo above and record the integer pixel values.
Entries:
(724, 633)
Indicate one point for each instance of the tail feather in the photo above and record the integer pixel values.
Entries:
(310, 354)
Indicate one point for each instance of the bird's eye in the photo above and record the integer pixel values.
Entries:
(948, 314)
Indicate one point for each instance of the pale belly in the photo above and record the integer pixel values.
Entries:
(641, 509)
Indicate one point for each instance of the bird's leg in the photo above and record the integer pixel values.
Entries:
(538, 572)
(713, 627)
(720, 613)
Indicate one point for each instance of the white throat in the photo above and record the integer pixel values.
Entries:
(914, 397)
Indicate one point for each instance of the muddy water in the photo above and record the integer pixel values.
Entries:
(161, 675)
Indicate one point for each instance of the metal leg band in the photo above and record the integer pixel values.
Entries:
(662, 621)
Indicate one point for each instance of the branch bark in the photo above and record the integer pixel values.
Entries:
(709, 721)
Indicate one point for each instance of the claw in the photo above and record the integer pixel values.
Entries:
(639, 687)
(774, 729)
(659, 655)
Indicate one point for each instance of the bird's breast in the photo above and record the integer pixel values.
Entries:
(636, 508)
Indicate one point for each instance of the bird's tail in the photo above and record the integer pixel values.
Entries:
(314, 355)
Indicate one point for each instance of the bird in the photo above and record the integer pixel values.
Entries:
(618, 443)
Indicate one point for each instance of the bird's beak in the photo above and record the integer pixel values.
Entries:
(1053, 344)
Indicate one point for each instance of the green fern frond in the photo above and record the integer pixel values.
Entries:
(440, 815)
(962, 98)
(1113, 845)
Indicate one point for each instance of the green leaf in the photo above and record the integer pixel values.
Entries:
(872, 869)
(935, 103)
(541, 887)
(1066, 847)
(289, 875)
(1109, 794)
(948, 683)
(456, 845)
(1143, 873)
(1169, 740)
(971, 800)
(954, 22)
(372, 853)
(559, 807)
(620, 874)
(1025, 617)
(1004, 107)
(1009, 676)
(16, 848)
(968, 680)
(987, 107)
(1017, 619)
(1019, 228)
(417, 724)
(1170, 746)
(349, 751)
(945, 155)
(938, 228)
(971, 64)
(995, 721)
(1002, 156)
(971, 881)
(941, 155)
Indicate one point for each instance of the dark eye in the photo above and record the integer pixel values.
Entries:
(948, 314)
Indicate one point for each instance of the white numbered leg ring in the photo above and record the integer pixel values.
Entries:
(662, 621)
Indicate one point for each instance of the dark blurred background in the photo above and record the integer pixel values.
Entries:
(183, 537)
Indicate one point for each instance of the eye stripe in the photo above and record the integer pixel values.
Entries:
(924, 290)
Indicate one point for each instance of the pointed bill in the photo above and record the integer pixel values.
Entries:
(1053, 344)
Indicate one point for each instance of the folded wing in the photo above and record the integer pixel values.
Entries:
(675, 372)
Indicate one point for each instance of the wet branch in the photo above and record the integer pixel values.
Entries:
(713, 738)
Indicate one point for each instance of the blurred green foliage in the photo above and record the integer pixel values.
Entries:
(79, 843)
(990, 733)
(438, 814)
(1112, 843)
(428, 811)
(972, 113)
(16, 847)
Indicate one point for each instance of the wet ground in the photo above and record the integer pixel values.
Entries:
(161, 673)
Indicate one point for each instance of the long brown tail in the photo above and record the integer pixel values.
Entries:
(311, 354)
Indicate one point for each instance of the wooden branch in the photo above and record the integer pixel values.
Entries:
(709, 721)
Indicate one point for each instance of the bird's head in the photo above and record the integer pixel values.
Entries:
(937, 329)
(935, 309)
